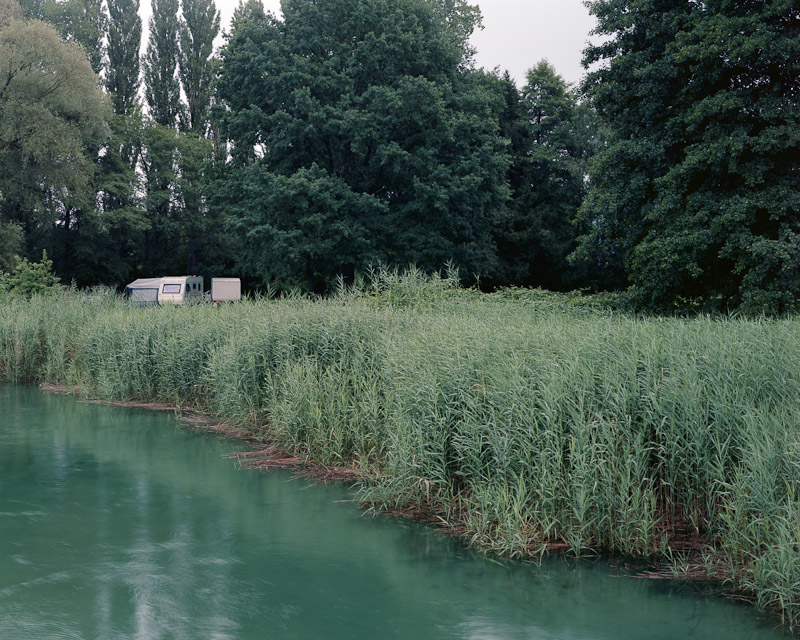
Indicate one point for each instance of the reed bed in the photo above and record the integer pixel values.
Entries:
(524, 421)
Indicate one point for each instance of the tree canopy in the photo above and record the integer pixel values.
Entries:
(369, 116)
(552, 135)
(697, 199)
(52, 113)
(347, 133)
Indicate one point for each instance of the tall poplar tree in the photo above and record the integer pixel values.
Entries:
(551, 136)
(160, 63)
(122, 214)
(199, 27)
(164, 238)
(124, 37)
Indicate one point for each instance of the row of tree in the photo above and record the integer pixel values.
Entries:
(351, 132)
(345, 134)
(374, 139)
(108, 186)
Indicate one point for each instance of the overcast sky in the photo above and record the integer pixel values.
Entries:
(516, 34)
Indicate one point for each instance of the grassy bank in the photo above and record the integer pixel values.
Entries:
(523, 420)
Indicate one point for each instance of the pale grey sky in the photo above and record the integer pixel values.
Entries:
(516, 34)
(519, 33)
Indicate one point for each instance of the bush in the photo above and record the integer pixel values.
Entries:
(30, 278)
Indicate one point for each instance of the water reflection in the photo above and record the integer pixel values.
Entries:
(119, 524)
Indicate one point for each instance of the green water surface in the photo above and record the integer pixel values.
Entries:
(120, 523)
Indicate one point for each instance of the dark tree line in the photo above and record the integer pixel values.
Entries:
(347, 133)
(361, 133)
(696, 202)
(135, 204)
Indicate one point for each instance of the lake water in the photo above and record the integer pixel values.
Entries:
(120, 523)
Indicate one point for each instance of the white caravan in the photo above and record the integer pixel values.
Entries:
(166, 290)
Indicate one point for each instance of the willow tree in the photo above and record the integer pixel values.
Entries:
(52, 116)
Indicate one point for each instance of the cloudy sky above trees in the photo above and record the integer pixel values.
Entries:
(516, 34)
(519, 33)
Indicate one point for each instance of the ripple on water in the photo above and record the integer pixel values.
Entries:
(34, 515)
(37, 624)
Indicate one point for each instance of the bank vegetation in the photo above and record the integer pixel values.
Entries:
(524, 421)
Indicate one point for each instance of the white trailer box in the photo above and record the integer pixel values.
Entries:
(166, 290)
(226, 289)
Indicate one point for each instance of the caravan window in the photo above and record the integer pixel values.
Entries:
(171, 288)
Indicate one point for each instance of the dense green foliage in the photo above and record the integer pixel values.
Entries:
(360, 134)
(81, 21)
(110, 246)
(696, 201)
(133, 201)
(552, 137)
(27, 279)
(11, 242)
(52, 116)
(182, 234)
(520, 419)
(347, 133)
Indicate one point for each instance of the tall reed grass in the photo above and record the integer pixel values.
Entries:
(525, 420)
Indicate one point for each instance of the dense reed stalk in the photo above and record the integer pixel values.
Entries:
(524, 420)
